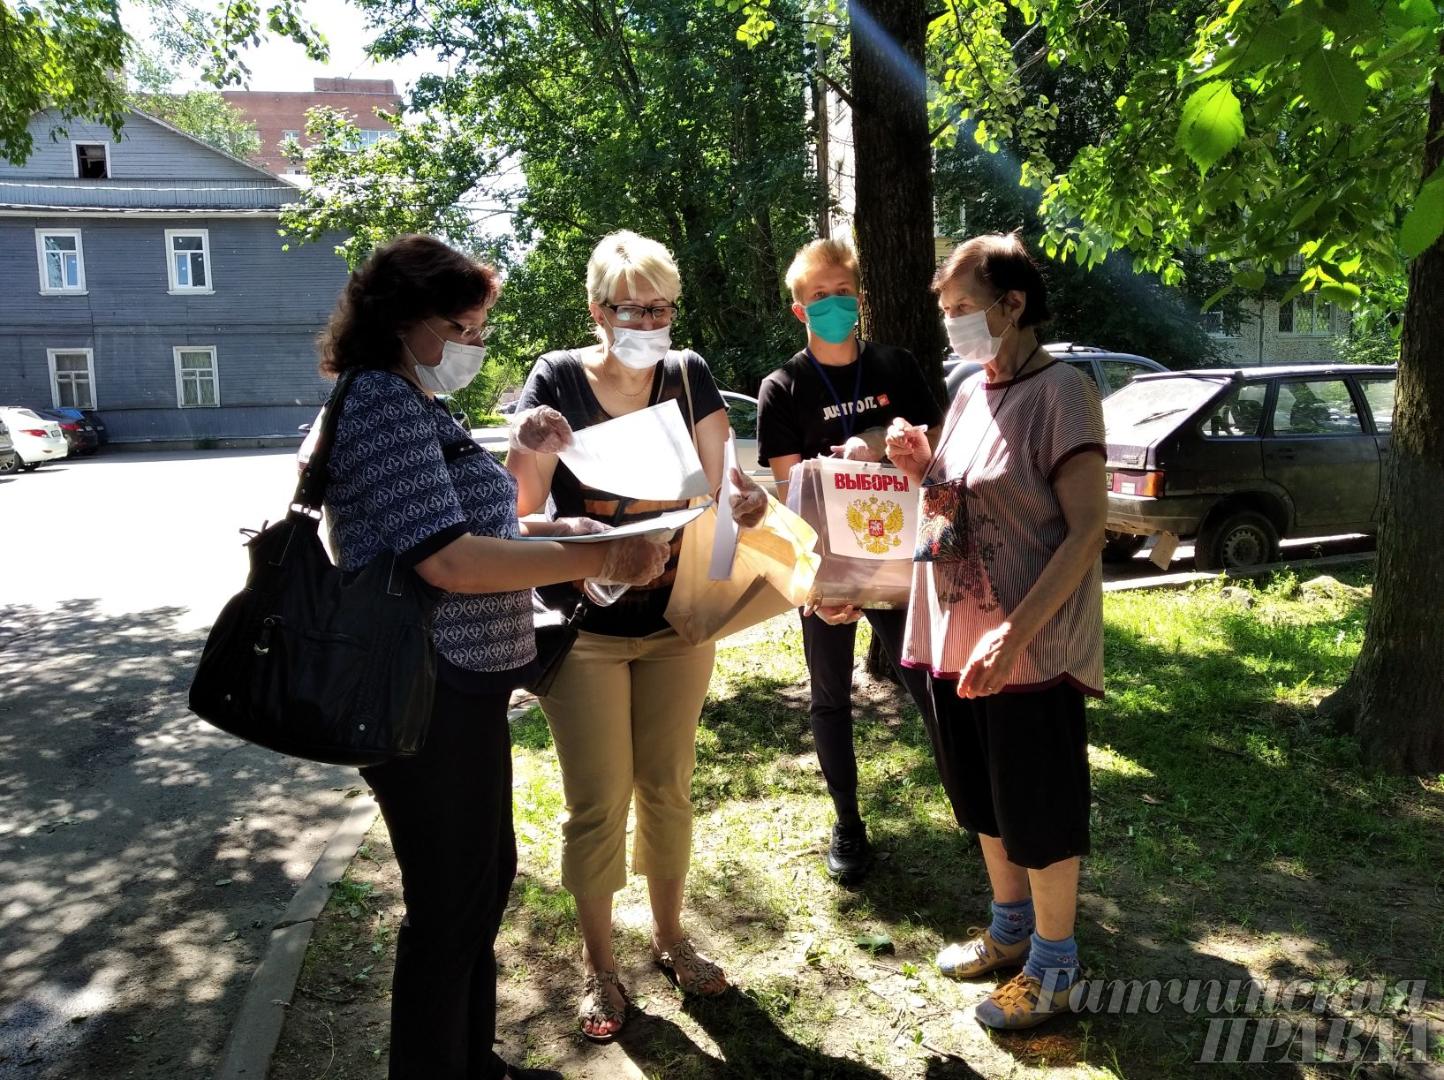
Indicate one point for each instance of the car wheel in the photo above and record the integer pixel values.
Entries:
(1236, 540)
(10, 465)
(1121, 547)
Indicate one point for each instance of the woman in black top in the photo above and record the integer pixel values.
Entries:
(624, 707)
(405, 478)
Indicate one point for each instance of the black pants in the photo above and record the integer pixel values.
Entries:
(448, 811)
(829, 654)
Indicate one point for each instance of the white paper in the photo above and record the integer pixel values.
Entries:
(724, 539)
(871, 510)
(647, 454)
(668, 521)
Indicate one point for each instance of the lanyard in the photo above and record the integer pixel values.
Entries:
(928, 479)
(844, 414)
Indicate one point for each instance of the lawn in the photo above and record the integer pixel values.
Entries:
(1233, 838)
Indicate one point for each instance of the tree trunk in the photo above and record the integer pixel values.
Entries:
(1394, 698)
(894, 192)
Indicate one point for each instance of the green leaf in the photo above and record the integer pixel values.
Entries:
(1425, 221)
(1270, 42)
(1343, 293)
(1211, 124)
(1334, 85)
(1253, 280)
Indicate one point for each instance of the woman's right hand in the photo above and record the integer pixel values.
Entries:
(634, 560)
(908, 448)
(541, 430)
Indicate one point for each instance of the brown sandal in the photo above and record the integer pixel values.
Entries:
(688, 970)
(596, 1006)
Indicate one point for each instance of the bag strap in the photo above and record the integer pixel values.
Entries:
(311, 487)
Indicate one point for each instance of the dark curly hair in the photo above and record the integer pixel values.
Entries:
(402, 282)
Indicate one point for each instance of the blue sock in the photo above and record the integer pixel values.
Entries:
(1012, 922)
(1053, 963)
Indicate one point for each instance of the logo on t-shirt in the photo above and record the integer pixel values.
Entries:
(853, 408)
(882, 401)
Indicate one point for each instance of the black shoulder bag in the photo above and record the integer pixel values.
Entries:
(313, 662)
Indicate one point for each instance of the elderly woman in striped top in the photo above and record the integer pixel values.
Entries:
(1006, 615)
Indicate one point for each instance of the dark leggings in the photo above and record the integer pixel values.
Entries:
(829, 653)
(448, 810)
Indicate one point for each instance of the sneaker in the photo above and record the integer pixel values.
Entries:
(981, 954)
(1020, 1003)
(849, 856)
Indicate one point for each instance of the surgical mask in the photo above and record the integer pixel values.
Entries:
(459, 365)
(832, 318)
(640, 349)
(970, 337)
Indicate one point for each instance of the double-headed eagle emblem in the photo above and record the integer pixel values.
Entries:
(875, 523)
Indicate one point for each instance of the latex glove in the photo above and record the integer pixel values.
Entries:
(856, 449)
(749, 501)
(580, 526)
(987, 669)
(541, 430)
(834, 614)
(908, 449)
(634, 560)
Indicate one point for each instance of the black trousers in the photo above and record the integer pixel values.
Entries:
(829, 654)
(448, 810)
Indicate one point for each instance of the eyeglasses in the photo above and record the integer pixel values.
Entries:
(635, 313)
(478, 334)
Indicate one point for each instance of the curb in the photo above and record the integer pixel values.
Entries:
(257, 1027)
(1179, 581)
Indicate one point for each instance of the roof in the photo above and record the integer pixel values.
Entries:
(1273, 371)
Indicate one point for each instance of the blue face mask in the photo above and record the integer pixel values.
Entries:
(832, 318)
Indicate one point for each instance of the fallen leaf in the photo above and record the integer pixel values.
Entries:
(874, 942)
(1152, 800)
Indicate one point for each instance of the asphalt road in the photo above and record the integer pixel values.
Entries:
(144, 856)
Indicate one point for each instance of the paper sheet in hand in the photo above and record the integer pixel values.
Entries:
(724, 538)
(647, 454)
(871, 510)
(666, 522)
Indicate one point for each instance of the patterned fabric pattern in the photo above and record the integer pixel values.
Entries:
(393, 488)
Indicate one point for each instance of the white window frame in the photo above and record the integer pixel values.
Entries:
(170, 254)
(75, 155)
(45, 289)
(180, 398)
(1318, 307)
(50, 355)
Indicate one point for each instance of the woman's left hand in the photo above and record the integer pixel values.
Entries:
(749, 501)
(992, 662)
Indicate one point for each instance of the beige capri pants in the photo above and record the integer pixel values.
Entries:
(623, 713)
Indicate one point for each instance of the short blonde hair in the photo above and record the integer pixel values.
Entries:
(815, 256)
(624, 257)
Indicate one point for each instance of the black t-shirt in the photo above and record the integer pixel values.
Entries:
(558, 379)
(798, 414)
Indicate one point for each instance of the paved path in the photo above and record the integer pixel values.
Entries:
(144, 856)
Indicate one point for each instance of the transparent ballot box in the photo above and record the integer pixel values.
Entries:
(866, 518)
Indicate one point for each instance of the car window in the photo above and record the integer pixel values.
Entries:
(1316, 407)
(1154, 407)
(742, 415)
(1238, 415)
(1379, 393)
(1120, 373)
(1086, 367)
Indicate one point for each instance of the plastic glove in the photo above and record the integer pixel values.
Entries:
(634, 560)
(579, 526)
(908, 447)
(748, 501)
(541, 430)
(834, 615)
(856, 449)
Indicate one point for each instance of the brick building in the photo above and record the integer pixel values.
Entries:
(279, 115)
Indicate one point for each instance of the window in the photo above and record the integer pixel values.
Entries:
(1306, 316)
(1238, 415)
(1379, 393)
(366, 138)
(62, 260)
(188, 252)
(290, 133)
(1120, 373)
(72, 378)
(1316, 407)
(92, 160)
(1086, 367)
(197, 384)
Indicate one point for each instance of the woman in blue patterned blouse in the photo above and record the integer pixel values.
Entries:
(406, 478)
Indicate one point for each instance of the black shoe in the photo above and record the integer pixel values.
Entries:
(849, 856)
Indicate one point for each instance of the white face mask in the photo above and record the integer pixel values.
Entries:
(640, 349)
(969, 335)
(459, 365)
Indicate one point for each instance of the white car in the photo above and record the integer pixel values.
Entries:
(9, 461)
(36, 440)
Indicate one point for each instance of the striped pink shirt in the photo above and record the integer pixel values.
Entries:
(1011, 437)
